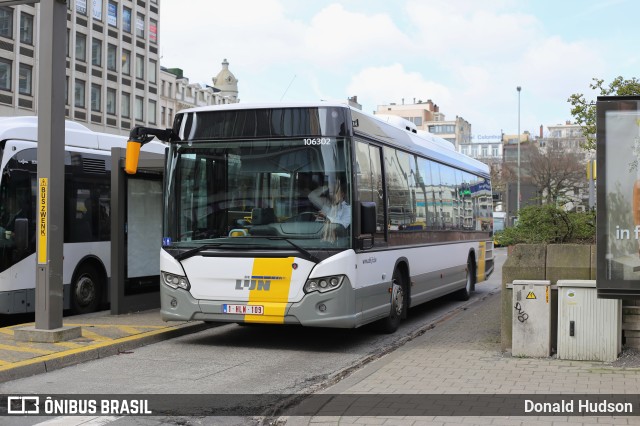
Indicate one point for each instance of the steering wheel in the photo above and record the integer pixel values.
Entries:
(308, 216)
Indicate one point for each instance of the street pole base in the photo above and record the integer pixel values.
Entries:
(32, 334)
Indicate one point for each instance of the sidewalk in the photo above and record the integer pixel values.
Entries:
(461, 357)
(103, 335)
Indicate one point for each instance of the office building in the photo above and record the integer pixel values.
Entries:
(113, 77)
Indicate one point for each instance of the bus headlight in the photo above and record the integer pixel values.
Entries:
(175, 281)
(323, 284)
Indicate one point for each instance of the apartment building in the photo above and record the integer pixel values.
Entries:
(113, 79)
(427, 116)
(487, 150)
(567, 135)
(177, 93)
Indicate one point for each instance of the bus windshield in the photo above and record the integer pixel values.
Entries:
(259, 193)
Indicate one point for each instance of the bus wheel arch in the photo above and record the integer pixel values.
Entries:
(87, 286)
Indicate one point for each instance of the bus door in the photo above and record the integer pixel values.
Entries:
(371, 267)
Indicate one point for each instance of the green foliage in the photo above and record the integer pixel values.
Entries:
(548, 224)
(584, 111)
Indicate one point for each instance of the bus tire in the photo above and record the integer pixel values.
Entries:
(86, 289)
(391, 323)
(465, 293)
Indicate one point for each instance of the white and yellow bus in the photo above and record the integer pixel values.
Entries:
(246, 241)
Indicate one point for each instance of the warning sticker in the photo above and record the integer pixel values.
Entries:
(531, 295)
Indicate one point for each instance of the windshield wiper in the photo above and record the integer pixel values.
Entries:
(192, 252)
(297, 247)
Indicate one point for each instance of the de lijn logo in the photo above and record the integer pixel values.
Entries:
(255, 282)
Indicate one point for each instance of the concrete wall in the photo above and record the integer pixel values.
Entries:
(551, 262)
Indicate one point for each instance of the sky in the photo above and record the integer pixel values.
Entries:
(467, 56)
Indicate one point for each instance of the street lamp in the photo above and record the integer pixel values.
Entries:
(518, 200)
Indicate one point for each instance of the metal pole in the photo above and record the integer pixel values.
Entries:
(51, 110)
(518, 201)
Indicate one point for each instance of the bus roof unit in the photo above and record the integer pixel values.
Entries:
(76, 135)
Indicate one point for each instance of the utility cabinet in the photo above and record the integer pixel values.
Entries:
(531, 334)
(589, 328)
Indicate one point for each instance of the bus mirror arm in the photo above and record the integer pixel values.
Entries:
(139, 136)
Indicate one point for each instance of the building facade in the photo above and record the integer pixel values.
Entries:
(113, 68)
(113, 79)
(457, 131)
(427, 116)
(489, 152)
(176, 93)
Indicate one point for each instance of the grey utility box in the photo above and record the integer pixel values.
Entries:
(531, 318)
(589, 329)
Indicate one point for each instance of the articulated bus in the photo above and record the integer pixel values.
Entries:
(314, 214)
(87, 223)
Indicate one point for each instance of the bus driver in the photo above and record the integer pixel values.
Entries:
(333, 207)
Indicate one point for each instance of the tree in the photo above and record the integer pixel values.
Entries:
(556, 171)
(584, 111)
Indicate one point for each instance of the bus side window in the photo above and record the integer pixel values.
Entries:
(82, 218)
(370, 183)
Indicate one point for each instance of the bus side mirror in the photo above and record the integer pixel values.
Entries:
(21, 233)
(132, 156)
(367, 217)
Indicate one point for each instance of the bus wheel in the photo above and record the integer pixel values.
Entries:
(465, 293)
(86, 289)
(398, 304)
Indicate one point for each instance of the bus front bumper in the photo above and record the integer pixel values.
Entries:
(336, 308)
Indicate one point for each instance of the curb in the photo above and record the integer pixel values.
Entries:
(63, 359)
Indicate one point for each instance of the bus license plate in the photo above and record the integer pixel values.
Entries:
(243, 309)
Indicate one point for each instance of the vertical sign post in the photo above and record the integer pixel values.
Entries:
(51, 108)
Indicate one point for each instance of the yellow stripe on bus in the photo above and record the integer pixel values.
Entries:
(272, 289)
(481, 262)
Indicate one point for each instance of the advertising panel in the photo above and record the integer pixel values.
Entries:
(618, 195)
